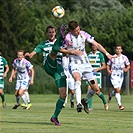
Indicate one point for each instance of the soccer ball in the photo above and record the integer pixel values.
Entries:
(58, 12)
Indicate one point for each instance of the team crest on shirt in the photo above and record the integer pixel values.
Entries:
(92, 61)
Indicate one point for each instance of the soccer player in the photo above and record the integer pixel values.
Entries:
(97, 61)
(4, 68)
(116, 68)
(25, 76)
(53, 64)
(80, 65)
(70, 80)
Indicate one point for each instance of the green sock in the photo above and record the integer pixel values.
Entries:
(59, 106)
(3, 97)
(57, 45)
(102, 97)
(90, 102)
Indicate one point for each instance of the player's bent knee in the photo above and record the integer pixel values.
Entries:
(63, 96)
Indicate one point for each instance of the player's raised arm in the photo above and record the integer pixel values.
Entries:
(102, 49)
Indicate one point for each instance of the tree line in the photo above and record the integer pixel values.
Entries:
(23, 24)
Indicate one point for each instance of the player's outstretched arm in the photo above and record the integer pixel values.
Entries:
(103, 50)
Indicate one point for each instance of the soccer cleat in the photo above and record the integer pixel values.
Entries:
(79, 108)
(3, 104)
(63, 31)
(72, 104)
(121, 107)
(106, 106)
(55, 121)
(85, 106)
(16, 106)
(29, 105)
(109, 98)
(23, 105)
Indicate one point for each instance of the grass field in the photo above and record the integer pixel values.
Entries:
(37, 119)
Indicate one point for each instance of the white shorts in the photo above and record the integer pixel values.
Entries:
(70, 80)
(116, 80)
(85, 71)
(22, 84)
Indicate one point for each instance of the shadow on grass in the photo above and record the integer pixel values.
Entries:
(24, 122)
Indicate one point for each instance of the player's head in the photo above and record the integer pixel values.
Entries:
(94, 47)
(51, 32)
(20, 54)
(74, 28)
(118, 49)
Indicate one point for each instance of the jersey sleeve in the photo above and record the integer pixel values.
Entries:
(109, 62)
(4, 61)
(28, 64)
(127, 62)
(39, 48)
(89, 38)
(102, 59)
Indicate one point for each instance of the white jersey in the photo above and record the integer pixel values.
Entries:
(118, 64)
(78, 42)
(23, 68)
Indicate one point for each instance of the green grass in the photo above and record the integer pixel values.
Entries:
(36, 120)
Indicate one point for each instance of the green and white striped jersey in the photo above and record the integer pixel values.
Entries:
(96, 60)
(3, 63)
(45, 48)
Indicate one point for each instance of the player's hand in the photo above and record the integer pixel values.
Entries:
(109, 72)
(31, 82)
(125, 70)
(10, 79)
(111, 56)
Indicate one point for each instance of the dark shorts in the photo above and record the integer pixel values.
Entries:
(56, 71)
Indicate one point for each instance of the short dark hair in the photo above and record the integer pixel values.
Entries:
(118, 45)
(50, 26)
(21, 51)
(73, 24)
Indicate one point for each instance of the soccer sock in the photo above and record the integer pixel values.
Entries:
(118, 98)
(102, 97)
(18, 100)
(78, 92)
(89, 94)
(72, 97)
(59, 106)
(24, 98)
(57, 45)
(27, 95)
(3, 97)
(90, 103)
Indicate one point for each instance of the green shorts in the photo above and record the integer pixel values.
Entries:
(56, 71)
(1, 83)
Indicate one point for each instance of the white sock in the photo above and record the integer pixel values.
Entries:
(118, 98)
(78, 92)
(27, 95)
(24, 98)
(89, 94)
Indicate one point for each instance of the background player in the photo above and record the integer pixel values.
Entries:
(25, 76)
(97, 61)
(116, 68)
(4, 68)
